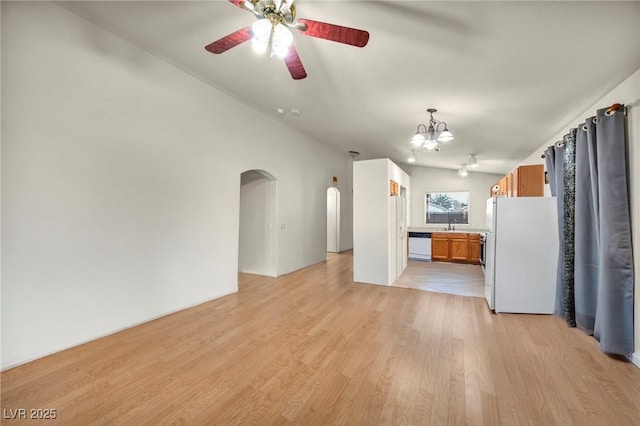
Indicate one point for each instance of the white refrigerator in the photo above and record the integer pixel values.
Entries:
(521, 254)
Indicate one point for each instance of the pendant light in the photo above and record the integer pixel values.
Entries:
(425, 136)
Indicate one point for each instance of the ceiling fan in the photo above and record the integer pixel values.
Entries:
(272, 31)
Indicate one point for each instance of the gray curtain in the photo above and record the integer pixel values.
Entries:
(558, 157)
(595, 267)
(550, 162)
(569, 180)
(564, 154)
(587, 251)
(614, 318)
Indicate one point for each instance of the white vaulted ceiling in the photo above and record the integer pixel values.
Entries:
(505, 76)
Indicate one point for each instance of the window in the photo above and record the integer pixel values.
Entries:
(447, 207)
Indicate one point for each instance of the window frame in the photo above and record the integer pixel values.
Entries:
(438, 224)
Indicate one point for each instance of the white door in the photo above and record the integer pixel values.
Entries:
(401, 245)
(393, 238)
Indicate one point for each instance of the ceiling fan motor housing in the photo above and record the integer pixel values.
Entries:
(285, 14)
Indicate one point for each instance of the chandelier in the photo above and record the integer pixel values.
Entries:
(425, 136)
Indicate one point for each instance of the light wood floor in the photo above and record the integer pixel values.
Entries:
(443, 277)
(314, 348)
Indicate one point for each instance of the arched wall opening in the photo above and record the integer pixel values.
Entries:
(333, 220)
(257, 250)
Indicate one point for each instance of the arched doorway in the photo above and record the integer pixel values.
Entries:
(333, 220)
(257, 241)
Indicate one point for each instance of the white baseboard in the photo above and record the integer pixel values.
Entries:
(635, 358)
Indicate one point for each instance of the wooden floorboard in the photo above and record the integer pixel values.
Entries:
(315, 348)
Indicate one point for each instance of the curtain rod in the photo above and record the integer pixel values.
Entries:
(616, 107)
(613, 107)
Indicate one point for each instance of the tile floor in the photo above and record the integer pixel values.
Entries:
(443, 277)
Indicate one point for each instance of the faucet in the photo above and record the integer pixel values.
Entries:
(450, 228)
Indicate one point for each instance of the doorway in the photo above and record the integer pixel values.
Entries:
(257, 241)
(333, 220)
(398, 239)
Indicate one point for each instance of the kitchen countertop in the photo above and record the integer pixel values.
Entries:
(459, 231)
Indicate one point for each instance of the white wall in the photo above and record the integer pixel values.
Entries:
(627, 93)
(121, 184)
(431, 179)
(257, 244)
(373, 259)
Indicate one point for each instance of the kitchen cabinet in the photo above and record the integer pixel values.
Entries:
(523, 181)
(509, 186)
(530, 181)
(459, 247)
(439, 247)
(500, 188)
(474, 248)
(455, 247)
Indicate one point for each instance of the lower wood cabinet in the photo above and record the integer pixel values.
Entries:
(455, 247)
(474, 248)
(459, 247)
(439, 247)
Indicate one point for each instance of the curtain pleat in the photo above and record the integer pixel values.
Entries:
(568, 305)
(560, 275)
(586, 231)
(550, 162)
(614, 319)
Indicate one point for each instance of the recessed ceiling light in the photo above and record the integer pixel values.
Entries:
(293, 111)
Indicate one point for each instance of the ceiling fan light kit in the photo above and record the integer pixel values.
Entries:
(272, 32)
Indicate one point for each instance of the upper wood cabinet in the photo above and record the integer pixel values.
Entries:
(523, 181)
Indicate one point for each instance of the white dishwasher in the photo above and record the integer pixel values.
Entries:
(420, 246)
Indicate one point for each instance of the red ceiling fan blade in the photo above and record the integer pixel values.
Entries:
(294, 64)
(232, 40)
(333, 32)
(239, 3)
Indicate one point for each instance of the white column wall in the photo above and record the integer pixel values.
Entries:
(121, 184)
(370, 222)
(373, 260)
